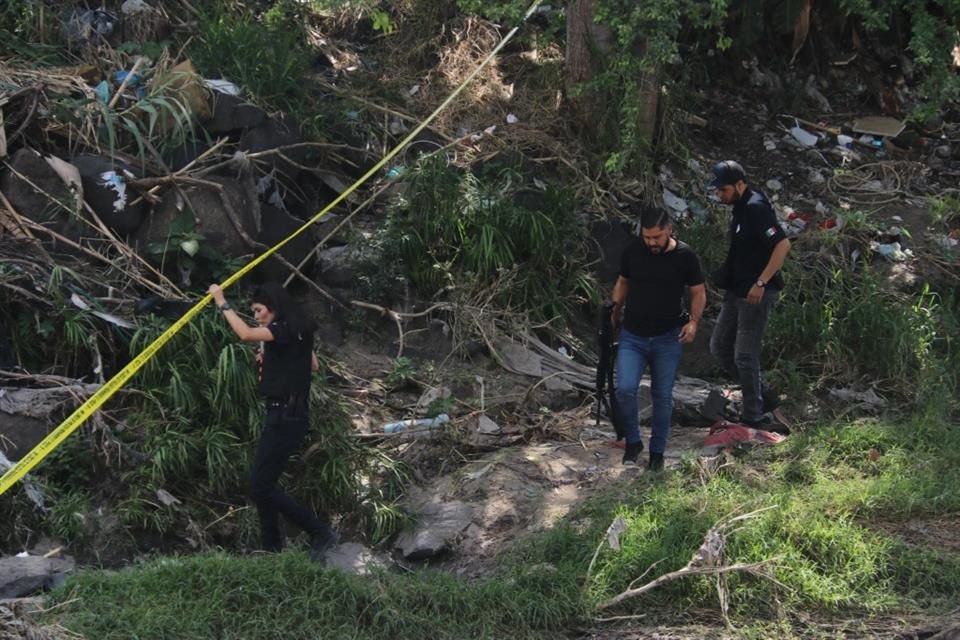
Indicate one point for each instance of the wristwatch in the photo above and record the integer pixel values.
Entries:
(760, 283)
(224, 307)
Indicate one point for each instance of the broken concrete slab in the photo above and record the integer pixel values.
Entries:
(439, 526)
(353, 557)
(23, 576)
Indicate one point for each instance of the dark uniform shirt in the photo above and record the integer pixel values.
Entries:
(654, 302)
(754, 232)
(287, 363)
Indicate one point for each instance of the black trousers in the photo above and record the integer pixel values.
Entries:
(737, 342)
(283, 431)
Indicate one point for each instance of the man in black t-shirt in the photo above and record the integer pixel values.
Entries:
(655, 270)
(751, 276)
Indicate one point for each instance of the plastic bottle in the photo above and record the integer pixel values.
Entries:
(394, 427)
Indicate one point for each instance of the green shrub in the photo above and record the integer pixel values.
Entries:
(484, 231)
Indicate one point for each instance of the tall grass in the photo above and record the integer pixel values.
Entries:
(485, 230)
(266, 55)
(829, 557)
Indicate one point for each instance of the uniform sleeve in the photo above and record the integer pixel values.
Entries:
(625, 263)
(280, 332)
(694, 272)
(767, 224)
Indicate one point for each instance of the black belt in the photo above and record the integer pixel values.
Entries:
(279, 403)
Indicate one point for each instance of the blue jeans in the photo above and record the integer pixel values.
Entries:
(662, 354)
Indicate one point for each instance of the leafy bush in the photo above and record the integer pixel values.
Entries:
(265, 55)
(453, 228)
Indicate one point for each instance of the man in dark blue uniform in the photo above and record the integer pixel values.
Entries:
(655, 270)
(751, 277)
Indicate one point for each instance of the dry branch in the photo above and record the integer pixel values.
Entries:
(707, 561)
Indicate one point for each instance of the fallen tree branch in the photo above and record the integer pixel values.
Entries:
(398, 317)
(707, 561)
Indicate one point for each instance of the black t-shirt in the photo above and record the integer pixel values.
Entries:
(657, 281)
(287, 363)
(754, 232)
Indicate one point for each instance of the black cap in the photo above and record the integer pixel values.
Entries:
(726, 173)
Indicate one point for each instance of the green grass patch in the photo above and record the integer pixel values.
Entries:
(825, 486)
(286, 596)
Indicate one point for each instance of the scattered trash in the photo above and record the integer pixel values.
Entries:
(394, 427)
(883, 126)
(222, 86)
(395, 172)
(949, 243)
(890, 250)
(774, 185)
(815, 177)
(674, 202)
(617, 527)
(845, 141)
(486, 425)
(29, 488)
(414, 90)
(102, 91)
(167, 498)
(130, 80)
(81, 304)
(133, 7)
(512, 119)
(479, 473)
(795, 222)
(814, 94)
(867, 399)
(397, 127)
(84, 26)
(115, 181)
(769, 145)
(804, 137)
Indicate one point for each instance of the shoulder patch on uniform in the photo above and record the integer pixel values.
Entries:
(772, 231)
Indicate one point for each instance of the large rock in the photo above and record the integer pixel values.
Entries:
(353, 557)
(106, 191)
(439, 527)
(211, 215)
(232, 114)
(275, 226)
(337, 266)
(610, 238)
(21, 577)
(26, 414)
(281, 131)
(41, 194)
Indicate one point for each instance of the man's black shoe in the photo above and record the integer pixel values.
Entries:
(321, 543)
(766, 423)
(656, 462)
(631, 452)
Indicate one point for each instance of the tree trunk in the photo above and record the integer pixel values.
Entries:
(648, 107)
(586, 44)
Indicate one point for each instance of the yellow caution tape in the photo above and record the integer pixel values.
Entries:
(114, 384)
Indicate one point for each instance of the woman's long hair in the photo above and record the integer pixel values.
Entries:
(274, 297)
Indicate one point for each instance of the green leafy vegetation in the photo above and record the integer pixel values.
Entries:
(266, 55)
(473, 231)
(825, 488)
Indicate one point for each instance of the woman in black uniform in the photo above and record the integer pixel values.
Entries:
(286, 361)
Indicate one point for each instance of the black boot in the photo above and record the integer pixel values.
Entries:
(631, 452)
(656, 462)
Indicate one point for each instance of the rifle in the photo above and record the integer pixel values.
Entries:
(606, 390)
